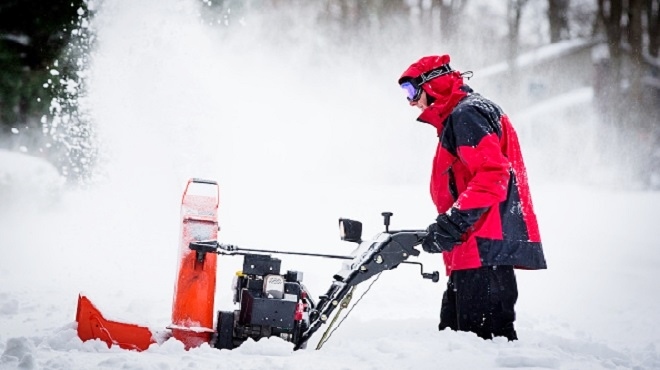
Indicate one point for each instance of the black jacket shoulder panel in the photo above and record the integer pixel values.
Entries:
(474, 118)
(448, 138)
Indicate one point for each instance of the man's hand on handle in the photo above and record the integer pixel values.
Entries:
(443, 235)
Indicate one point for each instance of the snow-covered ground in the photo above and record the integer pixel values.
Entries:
(596, 307)
(294, 146)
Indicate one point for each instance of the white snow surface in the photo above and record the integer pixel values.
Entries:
(594, 308)
(171, 102)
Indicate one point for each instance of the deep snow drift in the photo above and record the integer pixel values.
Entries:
(171, 102)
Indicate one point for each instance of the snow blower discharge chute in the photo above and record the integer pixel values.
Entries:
(270, 303)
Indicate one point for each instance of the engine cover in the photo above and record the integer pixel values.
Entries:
(258, 310)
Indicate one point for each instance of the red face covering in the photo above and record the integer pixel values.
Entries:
(444, 89)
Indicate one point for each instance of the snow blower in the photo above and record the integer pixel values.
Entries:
(270, 303)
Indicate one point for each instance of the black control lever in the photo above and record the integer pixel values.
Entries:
(202, 247)
(387, 216)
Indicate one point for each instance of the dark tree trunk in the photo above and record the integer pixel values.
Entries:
(450, 12)
(558, 19)
(514, 13)
(653, 21)
(635, 42)
(611, 13)
(628, 108)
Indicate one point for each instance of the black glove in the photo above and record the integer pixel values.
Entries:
(443, 235)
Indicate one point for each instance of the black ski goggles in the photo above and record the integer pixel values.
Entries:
(413, 87)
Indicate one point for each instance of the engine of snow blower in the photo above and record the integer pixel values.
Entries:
(271, 304)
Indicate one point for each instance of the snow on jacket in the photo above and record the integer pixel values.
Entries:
(479, 179)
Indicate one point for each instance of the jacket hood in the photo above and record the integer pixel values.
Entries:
(446, 89)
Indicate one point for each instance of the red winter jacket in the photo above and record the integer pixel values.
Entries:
(479, 178)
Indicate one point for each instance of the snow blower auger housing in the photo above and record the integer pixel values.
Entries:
(270, 303)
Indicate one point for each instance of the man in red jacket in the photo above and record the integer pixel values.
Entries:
(486, 225)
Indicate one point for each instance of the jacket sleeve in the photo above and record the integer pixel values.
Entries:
(477, 140)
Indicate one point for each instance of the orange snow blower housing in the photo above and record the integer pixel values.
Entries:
(194, 289)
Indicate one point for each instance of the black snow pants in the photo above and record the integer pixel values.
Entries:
(481, 301)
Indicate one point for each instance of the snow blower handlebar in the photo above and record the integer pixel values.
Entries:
(212, 246)
(233, 249)
(385, 252)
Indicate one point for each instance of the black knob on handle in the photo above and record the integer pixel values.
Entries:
(387, 216)
(434, 276)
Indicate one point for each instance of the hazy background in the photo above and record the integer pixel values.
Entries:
(270, 90)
